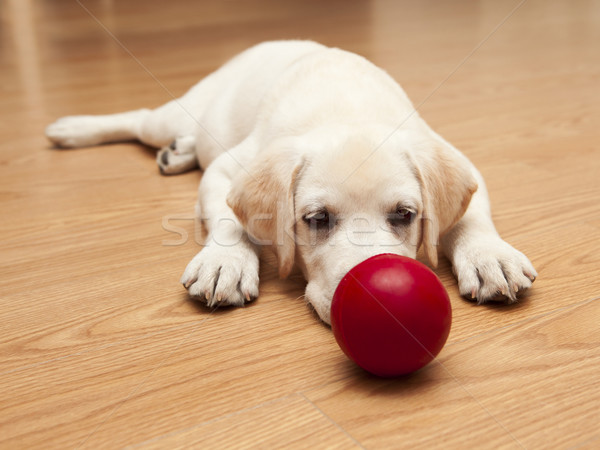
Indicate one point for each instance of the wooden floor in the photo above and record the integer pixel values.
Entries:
(100, 346)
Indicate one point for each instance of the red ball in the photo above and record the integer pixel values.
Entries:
(391, 315)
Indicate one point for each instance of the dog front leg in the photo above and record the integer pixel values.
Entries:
(487, 267)
(225, 271)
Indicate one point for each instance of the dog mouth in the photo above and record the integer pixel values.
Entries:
(319, 301)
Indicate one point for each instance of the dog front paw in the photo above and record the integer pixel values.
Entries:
(221, 276)
(490, 269)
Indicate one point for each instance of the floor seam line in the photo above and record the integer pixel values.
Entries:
(527, 320)
(214, 420)
(334, 422)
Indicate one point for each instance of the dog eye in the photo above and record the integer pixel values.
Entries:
(318, 220)
(401, 217)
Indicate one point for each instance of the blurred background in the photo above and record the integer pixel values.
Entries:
(124, 50)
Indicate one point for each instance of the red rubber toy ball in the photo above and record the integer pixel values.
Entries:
(391, 315)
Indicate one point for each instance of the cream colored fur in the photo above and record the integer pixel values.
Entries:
(291, 133)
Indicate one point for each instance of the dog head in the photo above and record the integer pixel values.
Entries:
(329, 200)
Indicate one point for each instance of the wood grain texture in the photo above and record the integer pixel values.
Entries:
(523, 396)
(285, 423)
(100, 346)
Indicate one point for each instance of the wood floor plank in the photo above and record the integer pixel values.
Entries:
(541, 411)
(287, 423)
(90, 312)
(566, 271)
(142, 388)
(532, 385)
(544, 208)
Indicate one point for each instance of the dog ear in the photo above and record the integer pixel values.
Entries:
(447, 185)
(263, 201)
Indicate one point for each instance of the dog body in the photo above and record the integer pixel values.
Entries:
(318, 153)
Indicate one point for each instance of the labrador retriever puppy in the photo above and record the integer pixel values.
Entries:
(319, 154)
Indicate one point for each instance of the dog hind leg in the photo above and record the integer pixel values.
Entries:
(83, 131)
